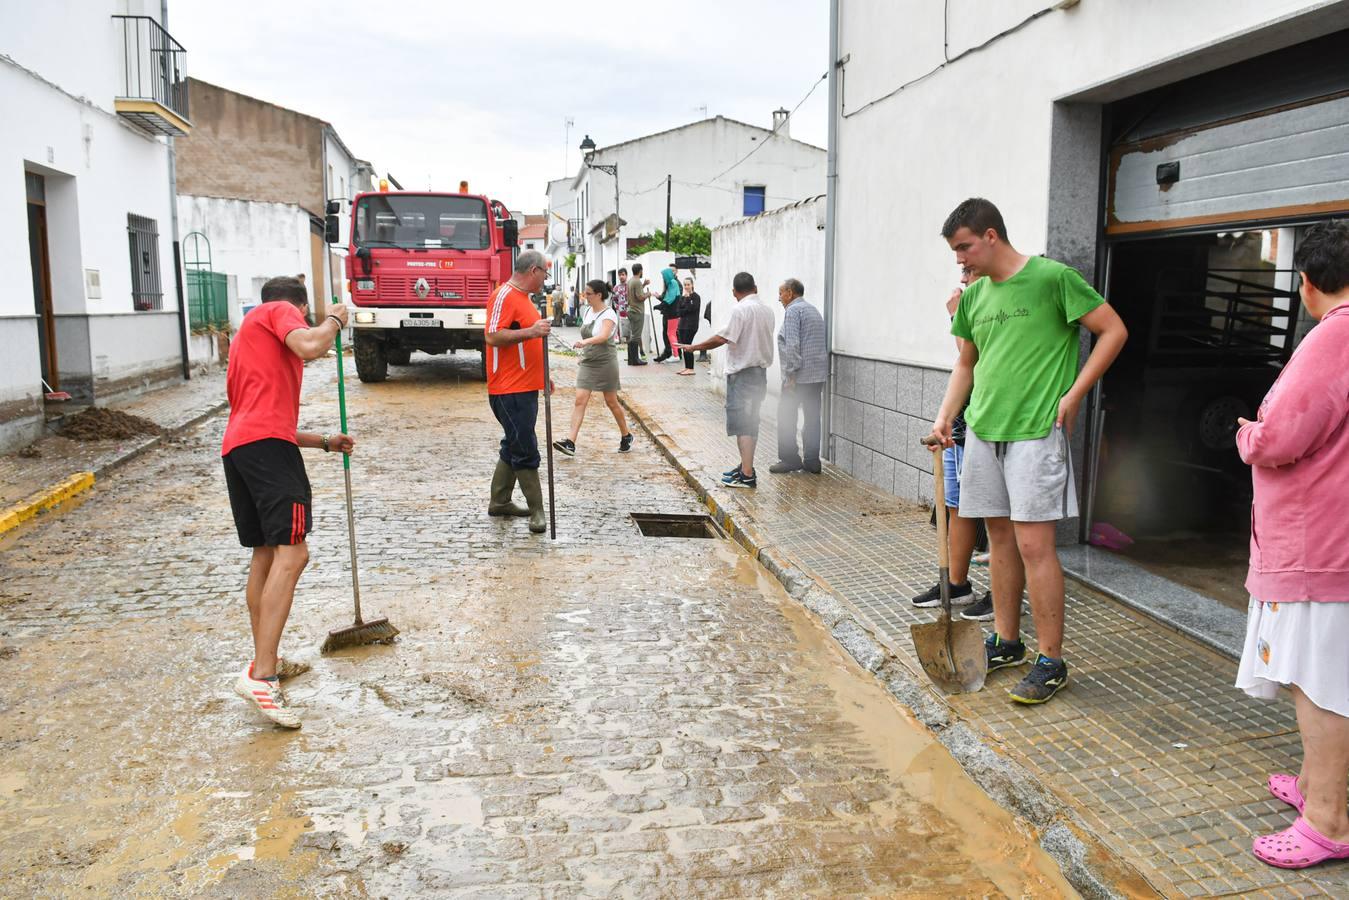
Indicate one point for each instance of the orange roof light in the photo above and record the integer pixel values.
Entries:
(463, 187)
(383, 184)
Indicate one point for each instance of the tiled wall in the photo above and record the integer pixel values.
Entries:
(881, 409)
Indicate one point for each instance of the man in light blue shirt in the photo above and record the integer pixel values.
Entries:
(804, 359)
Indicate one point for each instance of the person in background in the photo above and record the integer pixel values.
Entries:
(1298, 618)
(804, 360)
(620, 306)
(598, 368)
(689, 306)
(961, 533)
(748, 337)
(669, 297)
(636, 315)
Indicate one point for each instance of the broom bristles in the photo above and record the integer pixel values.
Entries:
(376, 631)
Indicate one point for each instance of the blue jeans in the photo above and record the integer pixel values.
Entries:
(953, 459)
(518, 415)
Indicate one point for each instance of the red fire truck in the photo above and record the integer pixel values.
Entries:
(422, 267)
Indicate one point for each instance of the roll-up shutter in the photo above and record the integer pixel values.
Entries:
(1265, 140)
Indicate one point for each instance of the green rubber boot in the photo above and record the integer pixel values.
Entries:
(503, 482)
(529, 486)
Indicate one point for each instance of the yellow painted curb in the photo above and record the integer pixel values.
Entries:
(44, 500)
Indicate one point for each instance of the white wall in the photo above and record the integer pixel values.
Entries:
(785, 243)
(695, 155)
(251, 241)
(982, 127)
(60, 123)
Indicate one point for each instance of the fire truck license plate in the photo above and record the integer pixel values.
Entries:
(423, 323)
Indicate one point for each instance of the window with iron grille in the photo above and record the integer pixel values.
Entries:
(143, 237)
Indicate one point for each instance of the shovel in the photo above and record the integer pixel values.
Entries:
(952, 653)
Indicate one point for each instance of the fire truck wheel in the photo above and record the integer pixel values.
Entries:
(371, 363)
(398, 356)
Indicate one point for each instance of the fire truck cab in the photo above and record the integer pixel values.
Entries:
(422, 268)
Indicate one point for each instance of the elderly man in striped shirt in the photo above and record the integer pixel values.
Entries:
(804, 359)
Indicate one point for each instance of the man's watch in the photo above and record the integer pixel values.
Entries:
(325, 441)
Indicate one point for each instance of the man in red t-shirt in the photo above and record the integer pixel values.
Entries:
(268, 487)
(514, 337)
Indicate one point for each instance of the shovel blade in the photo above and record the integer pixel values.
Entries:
(952, 654)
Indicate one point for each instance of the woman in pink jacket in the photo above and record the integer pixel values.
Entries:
(1297, 635)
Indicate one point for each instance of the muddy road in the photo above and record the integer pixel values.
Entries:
(604, 715)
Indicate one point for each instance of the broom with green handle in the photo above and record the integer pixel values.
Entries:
(361, 632)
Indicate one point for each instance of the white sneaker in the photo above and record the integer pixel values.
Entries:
(267, 697)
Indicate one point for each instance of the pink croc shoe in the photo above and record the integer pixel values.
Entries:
(1297, 847)
(1284, 787)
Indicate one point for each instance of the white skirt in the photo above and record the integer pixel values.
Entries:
(1301, 644)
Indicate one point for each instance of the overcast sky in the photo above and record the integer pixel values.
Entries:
(442, 90)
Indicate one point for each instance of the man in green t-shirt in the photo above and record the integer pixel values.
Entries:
(1019, 322)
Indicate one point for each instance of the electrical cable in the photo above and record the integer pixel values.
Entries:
(949, 60)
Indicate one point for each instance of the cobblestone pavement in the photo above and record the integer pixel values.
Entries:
(169, 407)
(603, 715)
(1164, 760)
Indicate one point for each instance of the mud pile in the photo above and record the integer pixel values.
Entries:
(99, 424)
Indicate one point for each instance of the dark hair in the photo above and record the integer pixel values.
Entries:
(599, 287)
(637, 268)
(976, 214)
(622, 271)
(1322, 256)
(743, 283)
(285, 287)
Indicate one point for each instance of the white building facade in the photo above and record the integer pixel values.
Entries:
(86, 149)
(717, 170)
(1170, 152)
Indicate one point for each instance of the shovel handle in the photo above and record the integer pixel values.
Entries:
(943, 546)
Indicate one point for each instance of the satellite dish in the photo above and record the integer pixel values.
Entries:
(558, 232)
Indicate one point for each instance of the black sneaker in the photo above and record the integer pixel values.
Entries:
(781, 468)
(960, 593)
(1042, 681)
(565, 447)
(625, 443)
(981, 610)
(738, 479)
(813, 468)
(1001, 654)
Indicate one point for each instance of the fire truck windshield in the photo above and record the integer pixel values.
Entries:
(422, 220)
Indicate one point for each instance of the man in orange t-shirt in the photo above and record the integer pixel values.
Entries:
(514, 337)
(268, 488)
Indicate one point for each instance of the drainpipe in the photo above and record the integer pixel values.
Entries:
(830, 221)
(173, 220)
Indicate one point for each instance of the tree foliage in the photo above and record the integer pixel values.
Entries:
(686, 239)
(570, 261)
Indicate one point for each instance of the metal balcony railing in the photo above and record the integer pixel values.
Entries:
(153, 86)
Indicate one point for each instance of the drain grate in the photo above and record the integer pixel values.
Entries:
(676, 526)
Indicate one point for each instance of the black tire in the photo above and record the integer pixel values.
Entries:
(371, 363)
(398, 356)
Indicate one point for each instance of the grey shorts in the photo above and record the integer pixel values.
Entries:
(1027, 481)
(745, 392)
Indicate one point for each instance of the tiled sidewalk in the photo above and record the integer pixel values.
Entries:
(1163, 759)
(171, 407)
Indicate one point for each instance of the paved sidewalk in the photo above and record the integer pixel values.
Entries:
(1160, 756)
(173, 407)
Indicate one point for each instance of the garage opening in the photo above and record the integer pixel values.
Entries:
(1210, 183)
(1212, 319)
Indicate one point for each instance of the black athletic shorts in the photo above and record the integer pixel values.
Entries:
(269, 493)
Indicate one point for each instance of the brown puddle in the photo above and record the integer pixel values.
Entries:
(1007, 855)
